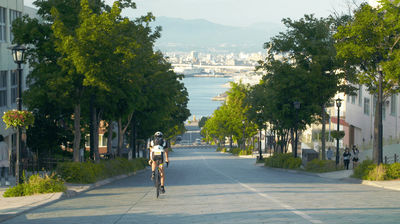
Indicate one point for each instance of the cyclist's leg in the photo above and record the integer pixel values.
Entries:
(162, 174)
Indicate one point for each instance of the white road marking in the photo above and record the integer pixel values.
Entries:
(288, 207)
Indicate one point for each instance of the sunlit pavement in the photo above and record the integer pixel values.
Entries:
(204, 186)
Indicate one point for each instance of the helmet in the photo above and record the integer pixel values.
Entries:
(158, 134)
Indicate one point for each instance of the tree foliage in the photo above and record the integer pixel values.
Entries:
(370, 41)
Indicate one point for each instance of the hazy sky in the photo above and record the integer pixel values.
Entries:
(236, 12)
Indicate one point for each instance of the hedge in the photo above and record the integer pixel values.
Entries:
(283, 160)
(367, 170)
(320, 166)
(89, 172)
(36, 185)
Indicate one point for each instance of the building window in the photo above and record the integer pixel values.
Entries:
(3, 88)
(2, 24)
(366, 106)
(13, 15)
(14, 86)
(102, 141)
(353, 99)
(360, 95)
(393, 105)
(87, 140)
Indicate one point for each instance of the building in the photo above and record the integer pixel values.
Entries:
(10, 10)
(357, 114)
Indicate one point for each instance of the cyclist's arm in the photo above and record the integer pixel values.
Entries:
(166, 155)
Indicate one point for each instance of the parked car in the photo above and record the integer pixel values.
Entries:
(197, 141)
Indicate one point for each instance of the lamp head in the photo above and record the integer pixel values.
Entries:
(18, 53)
(338, 102)
(296, 105)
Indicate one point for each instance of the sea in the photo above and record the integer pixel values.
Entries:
(201, 91)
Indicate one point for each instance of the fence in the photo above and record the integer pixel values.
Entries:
(391, 159)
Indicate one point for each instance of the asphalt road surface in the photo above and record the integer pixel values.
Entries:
(204, 186)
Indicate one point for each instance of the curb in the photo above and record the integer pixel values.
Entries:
(58, 196)
(379, 184)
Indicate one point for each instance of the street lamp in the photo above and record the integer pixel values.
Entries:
(338, 104)
(380, 124)
(296, 105)
(260, 121)
(18, 53)
(244, 139)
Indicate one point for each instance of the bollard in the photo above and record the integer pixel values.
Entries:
(395, 158)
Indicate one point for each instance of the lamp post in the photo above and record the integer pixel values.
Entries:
(380, 124)
(259, 139)
(244, 139)
(18, 53)
(338, 104)
(296, 105)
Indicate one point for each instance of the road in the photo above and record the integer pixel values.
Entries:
(204, 186)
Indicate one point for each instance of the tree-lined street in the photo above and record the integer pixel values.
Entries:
(204, 186)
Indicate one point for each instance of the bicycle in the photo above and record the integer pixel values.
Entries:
(157, 180)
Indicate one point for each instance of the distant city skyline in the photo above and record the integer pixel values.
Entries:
(236, 12)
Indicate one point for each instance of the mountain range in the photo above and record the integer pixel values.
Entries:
(205, 36)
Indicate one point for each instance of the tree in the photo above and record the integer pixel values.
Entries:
(230, 120)
(54, 90)
(368, 41)
(308, 46)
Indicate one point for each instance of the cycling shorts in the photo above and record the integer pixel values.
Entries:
(158, 157)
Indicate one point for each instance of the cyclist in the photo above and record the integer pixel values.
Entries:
(157, 156)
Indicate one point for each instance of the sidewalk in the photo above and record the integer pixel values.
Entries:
(345, 175)
(11, 207)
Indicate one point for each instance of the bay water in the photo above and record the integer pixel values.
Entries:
(201, 91)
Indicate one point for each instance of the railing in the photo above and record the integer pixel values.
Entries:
(43, 164)
(391, 159)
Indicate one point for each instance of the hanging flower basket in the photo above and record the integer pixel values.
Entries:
(18, 119)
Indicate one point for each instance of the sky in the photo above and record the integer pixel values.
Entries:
(236, 12)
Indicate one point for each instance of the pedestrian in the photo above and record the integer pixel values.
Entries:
(329, 153)
(4, 161)
(346, 158)
(355, 156)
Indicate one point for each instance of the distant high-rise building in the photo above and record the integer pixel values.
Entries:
(195, 56)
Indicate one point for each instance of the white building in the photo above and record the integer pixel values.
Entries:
(9, 10)
(357, 121)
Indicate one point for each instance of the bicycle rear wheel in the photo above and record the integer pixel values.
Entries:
(158, 184)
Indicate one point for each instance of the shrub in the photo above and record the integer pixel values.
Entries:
(235, 151)
(245, 152)
(320, 166)
(282, 160)
(89, 172)
(37, 185)
(362, 170)
(393, 172)
(377, 173)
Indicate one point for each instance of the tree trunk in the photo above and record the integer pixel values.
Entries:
(133, 137)
(230, 142)
(120, 138)
(109, 137)
(77, 132)
(92, 122)
(376, 153)
(293, 140)
(96, 153)
(323, 132)
(121, 132)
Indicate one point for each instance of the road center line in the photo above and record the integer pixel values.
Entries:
(288, 207)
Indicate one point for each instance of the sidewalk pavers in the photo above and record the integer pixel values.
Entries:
(14, 206)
